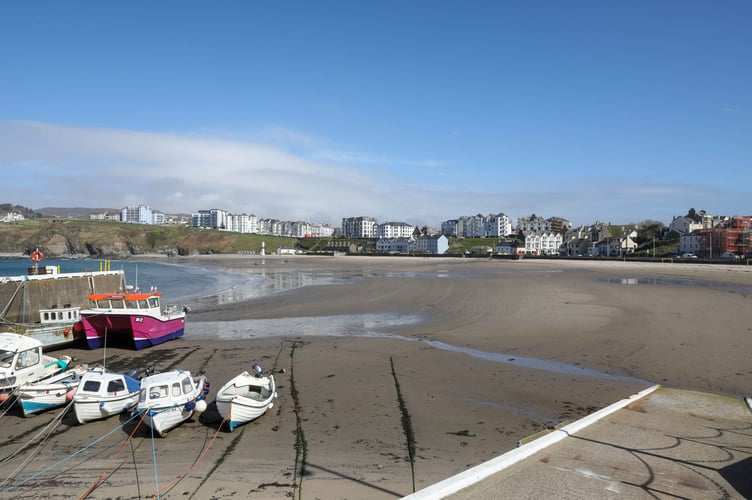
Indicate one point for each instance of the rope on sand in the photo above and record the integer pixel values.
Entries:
(47, 431)
(60, 462)
(200, 457)
(112, 462)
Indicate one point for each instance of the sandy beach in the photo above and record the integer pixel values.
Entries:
(484, 352)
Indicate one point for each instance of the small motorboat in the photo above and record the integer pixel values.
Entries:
(102, 393)
(52, 392)
(171, 398)
(22, 362)
(246, 397)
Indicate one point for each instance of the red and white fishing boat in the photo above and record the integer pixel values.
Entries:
(135, 317)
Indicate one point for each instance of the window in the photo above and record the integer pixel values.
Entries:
(158, 391)
(27, 359)
(91, 386)
(176, 389)
(153, 302)
(187, 386)
(142, 304)
(6, 358)
(116, 386)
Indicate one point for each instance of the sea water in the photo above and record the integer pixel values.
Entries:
(177, 282)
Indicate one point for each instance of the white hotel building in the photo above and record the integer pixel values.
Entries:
(358, 227)
(394, 230)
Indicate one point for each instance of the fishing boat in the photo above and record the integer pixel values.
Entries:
(132, 318)
(171, 398)
(58, 327)
(23, 362)
(246, 397)
(52, 392)
(102, 393)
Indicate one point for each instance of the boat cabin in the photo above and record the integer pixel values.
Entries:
(54, 316)
(22, 361)
(98, 382)
(167, 388)
(110, 301)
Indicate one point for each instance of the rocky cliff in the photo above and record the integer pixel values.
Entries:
(114, 240)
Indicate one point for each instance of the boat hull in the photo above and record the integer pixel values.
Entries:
(164, 419)
(49, 394)
(88, 410)
(245, 398)
(142, 330)
(57, 336)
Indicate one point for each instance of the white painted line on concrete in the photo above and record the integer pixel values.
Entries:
(479, 472)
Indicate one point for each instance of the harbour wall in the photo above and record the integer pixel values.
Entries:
(21, 298)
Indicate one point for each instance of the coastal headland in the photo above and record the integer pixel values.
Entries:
(396, 373)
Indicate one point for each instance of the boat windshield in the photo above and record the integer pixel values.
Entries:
(28, 358)
(6, 358)
(158, 392)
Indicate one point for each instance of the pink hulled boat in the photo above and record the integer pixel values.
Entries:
(137, 317)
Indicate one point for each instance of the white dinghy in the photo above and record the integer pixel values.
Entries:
(52, 392)
(246, 397)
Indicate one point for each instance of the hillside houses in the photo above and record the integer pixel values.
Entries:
(699, 233)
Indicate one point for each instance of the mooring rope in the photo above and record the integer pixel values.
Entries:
(73, 455)
(112, 462)
(200, 457)
(154, 457)
(48, 431)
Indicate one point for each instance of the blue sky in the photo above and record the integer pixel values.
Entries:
(413, 111)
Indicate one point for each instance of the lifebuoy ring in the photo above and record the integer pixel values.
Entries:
(37, 256)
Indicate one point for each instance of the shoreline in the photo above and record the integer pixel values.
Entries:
(464, 410)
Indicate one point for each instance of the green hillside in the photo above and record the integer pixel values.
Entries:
(57, 237)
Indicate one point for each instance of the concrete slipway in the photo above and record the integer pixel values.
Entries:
(659, 443)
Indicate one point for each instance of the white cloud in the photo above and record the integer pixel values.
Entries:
(57, 165)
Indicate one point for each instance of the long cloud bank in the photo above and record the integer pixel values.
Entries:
(59, 165)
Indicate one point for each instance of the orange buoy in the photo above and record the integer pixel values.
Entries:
(66, 332)
(37, 256)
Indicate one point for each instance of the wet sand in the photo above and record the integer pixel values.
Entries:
(469, 399)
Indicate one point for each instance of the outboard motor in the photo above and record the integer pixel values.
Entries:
(257, 370)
